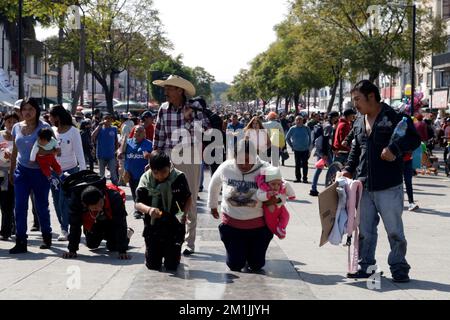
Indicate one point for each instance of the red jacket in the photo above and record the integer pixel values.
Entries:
(342, 130)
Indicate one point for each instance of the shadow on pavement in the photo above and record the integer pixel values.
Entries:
(430, 185)
(300, 201)
(387, 285)
(102, 255)
(433, 212)
(321, 279)
(430, 194)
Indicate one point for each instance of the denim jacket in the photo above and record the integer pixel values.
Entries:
(365, 161)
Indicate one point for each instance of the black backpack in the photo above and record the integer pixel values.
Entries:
(199, 104)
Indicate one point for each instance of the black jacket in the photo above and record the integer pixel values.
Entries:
(365, 162)
(118, 223)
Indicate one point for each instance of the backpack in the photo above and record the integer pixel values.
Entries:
(199, 104)
(111, 186)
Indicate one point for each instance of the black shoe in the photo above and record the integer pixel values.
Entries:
(47, 238)
(188, 252)
(305, 181)
(297, 181)
(138, 215)
(20, 247)
(403, 278)
(34, 228)
(313, 193)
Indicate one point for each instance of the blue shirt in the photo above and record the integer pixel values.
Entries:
(24, 144)
(106, 143)
(134, 157)
(299, 138)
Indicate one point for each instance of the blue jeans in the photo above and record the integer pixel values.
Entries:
(112, 166)
(389, 205)
(317, 174)
(25, 181)
(61, 203)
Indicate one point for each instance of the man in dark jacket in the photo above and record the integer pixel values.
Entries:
(343, 128)
(103, 218)
(376, 159)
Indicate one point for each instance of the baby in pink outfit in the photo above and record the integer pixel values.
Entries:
(270, 183)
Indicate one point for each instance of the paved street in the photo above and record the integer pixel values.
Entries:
(296, 267)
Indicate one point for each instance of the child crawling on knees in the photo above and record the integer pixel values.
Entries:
(271, 184)
(162, 196)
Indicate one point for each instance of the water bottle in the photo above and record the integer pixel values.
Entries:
(400, 129)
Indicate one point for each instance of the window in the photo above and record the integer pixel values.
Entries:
(445, 9)
(445, 79)
(37, 66)
(429, 80)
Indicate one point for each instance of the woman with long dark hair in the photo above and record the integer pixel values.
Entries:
(71, 160)
(27, 176)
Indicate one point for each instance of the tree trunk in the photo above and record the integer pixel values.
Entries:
(80, 86)
(286, 105)
(297, 101)
(264, 105)
(59, 68)
(333, 94)
(374, 77)
(110, 94)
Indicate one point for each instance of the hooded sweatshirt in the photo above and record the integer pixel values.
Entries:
(239, 199)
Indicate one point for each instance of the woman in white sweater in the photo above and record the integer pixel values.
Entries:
(71, 160)
(243, 229)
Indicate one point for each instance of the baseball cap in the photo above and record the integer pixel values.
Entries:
(147, 114)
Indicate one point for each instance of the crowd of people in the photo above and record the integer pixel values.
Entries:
(43, 153)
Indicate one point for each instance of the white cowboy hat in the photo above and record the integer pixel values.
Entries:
(179, 82)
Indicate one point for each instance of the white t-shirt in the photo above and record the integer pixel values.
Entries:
(8, 145)
(72, 154)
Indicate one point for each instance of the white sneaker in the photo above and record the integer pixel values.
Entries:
(130, 233)
(412, 207)
(63, 236)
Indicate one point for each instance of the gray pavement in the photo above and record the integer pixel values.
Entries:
(296, 267)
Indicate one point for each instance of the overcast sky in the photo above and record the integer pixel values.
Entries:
(220, 35)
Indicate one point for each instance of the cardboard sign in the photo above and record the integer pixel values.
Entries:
(328, 203)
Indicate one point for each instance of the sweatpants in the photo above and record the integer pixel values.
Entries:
(25, 181)
(245, 246)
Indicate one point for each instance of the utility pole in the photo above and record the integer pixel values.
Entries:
(413, 58)
(93, 82)
(19, 49)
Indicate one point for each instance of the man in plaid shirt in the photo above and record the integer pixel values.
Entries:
(176, 118)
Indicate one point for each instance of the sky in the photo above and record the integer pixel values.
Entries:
(222, 36)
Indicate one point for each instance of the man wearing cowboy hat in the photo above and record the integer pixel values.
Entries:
(173, 116)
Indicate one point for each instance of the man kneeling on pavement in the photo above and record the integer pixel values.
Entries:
(103, 218)
(163, 196)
